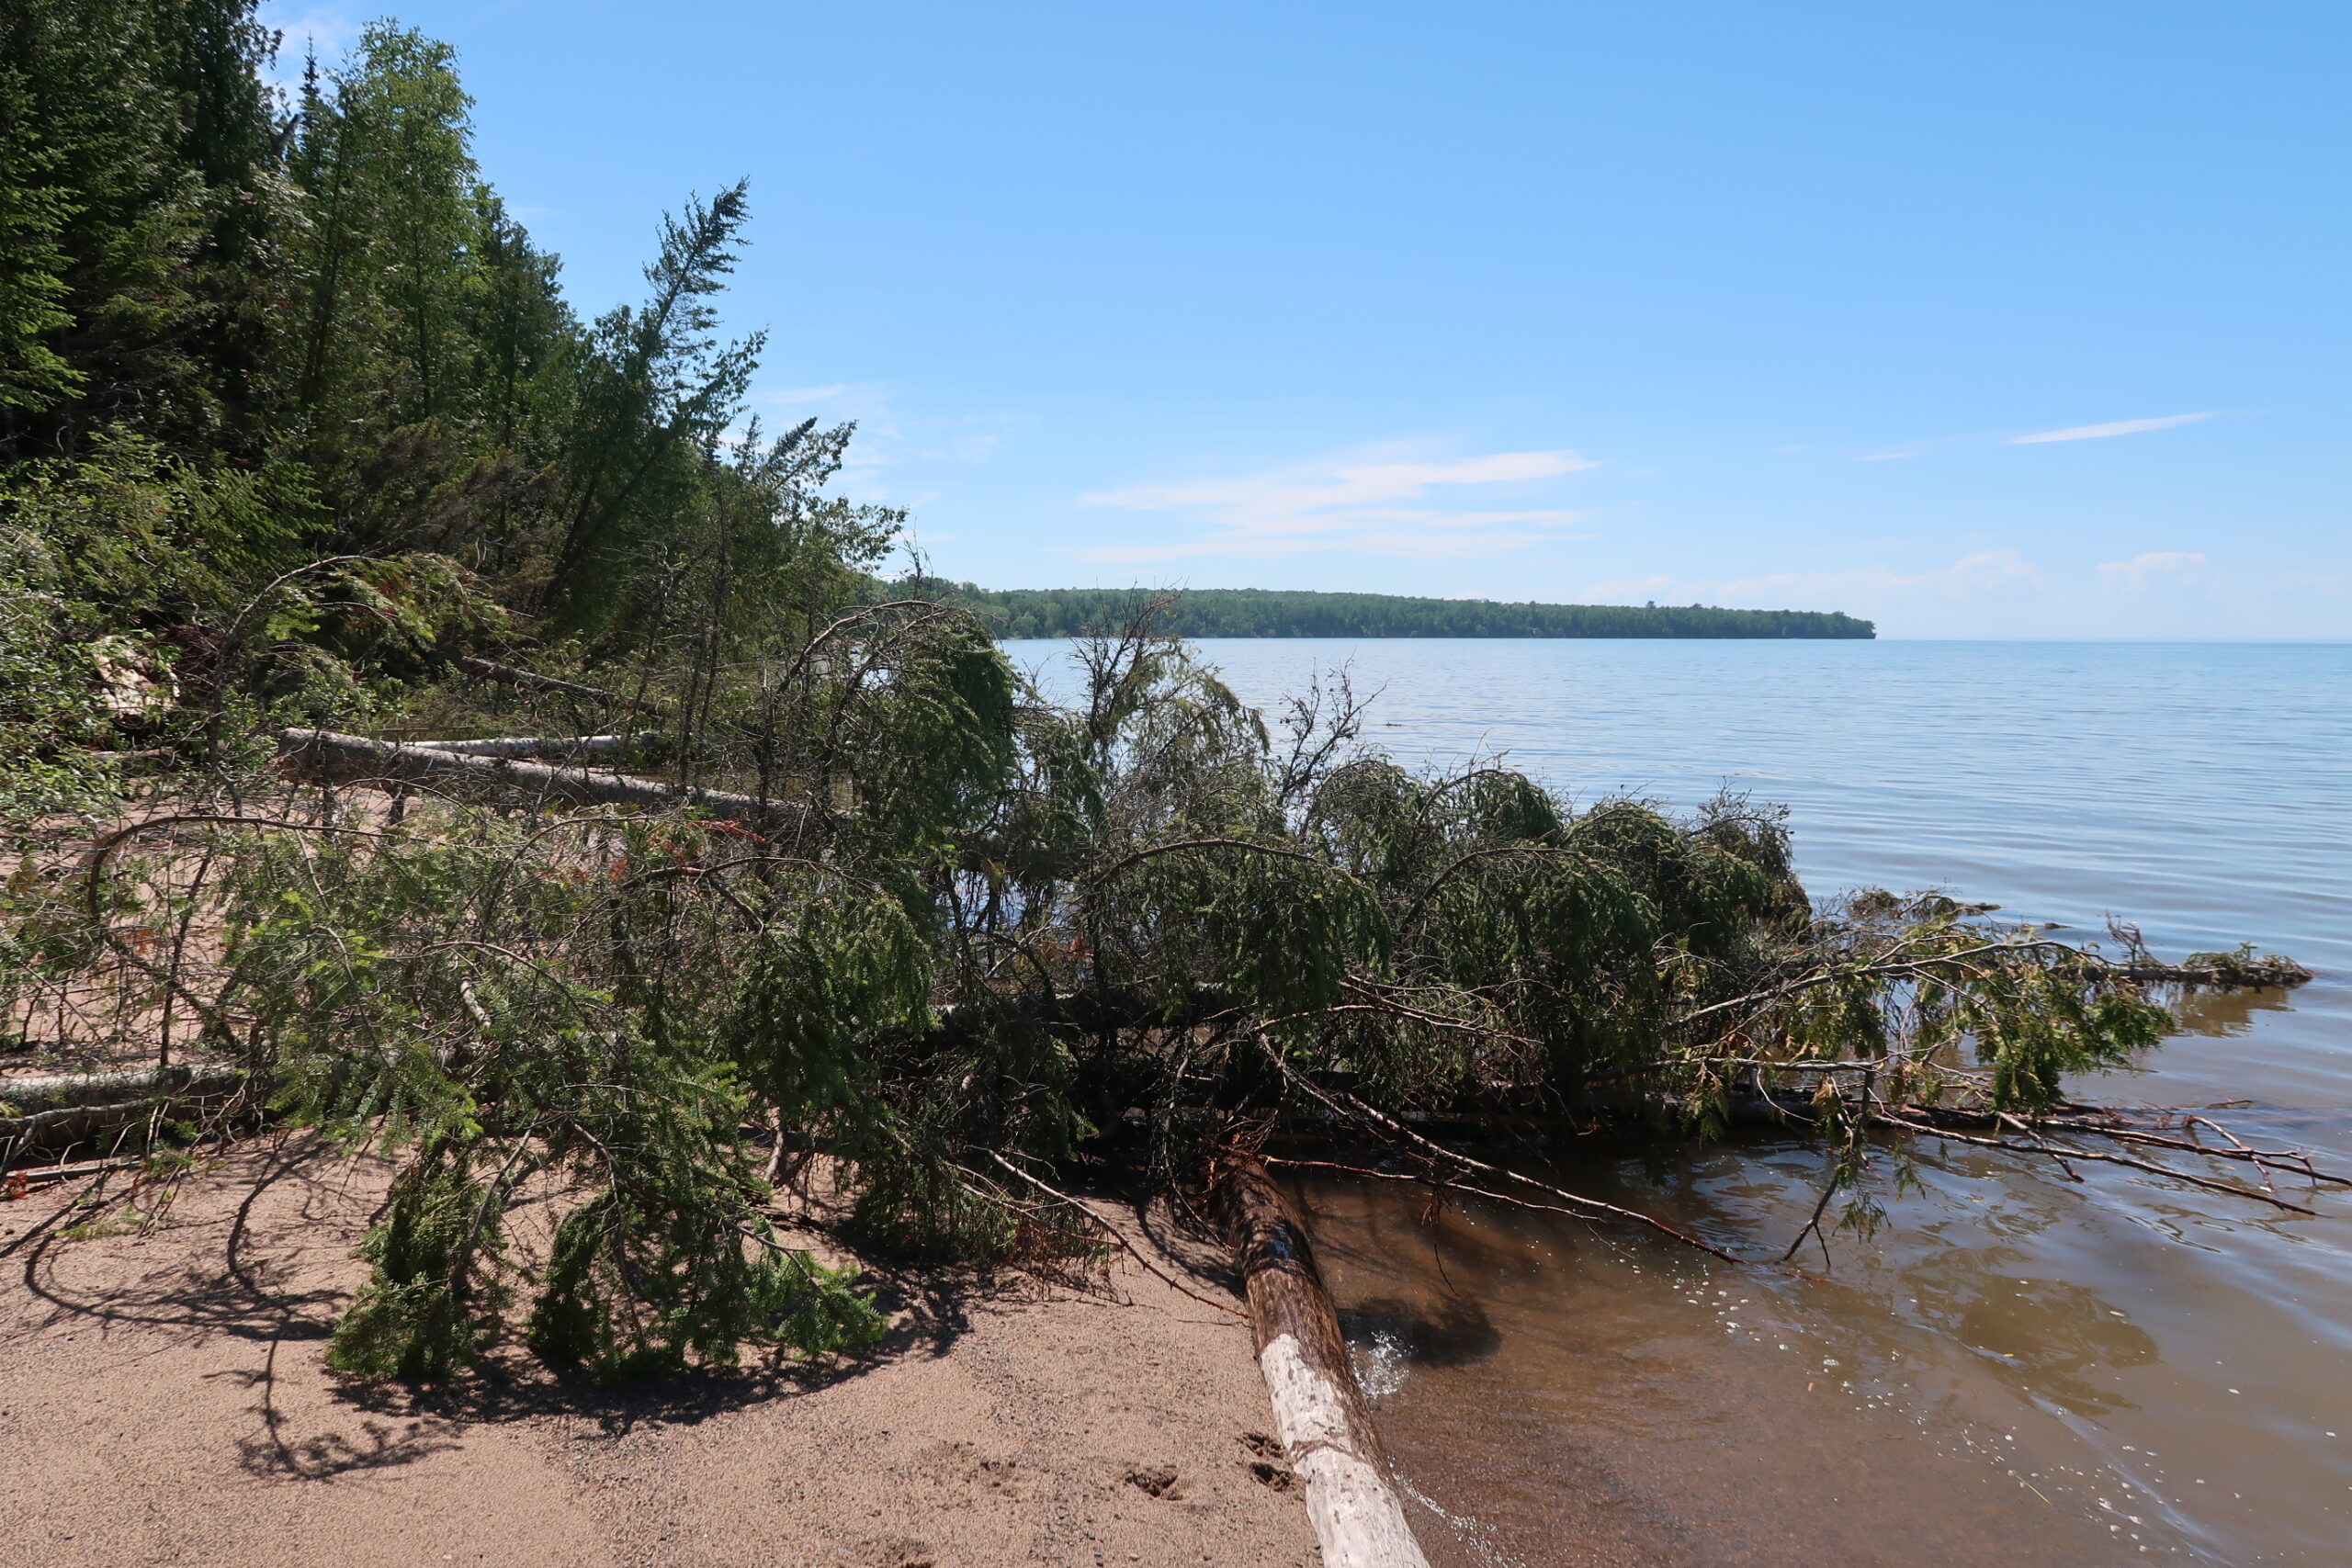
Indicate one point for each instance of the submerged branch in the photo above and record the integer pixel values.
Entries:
(1441, 1157)
(2061, 1155)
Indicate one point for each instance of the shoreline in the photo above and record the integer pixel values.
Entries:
(168, 1404)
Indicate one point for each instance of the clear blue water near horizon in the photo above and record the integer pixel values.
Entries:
(2011, 1365)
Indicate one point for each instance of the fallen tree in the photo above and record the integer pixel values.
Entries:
(40, 1114)
(1038, 930)
(528, 681)
(543, 746)
(1319, 1412)
(35, 1093)
(460, 768)
(885, 905)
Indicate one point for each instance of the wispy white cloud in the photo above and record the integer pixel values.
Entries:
(1348, 505)
(2133, 576)
(2100, 431)
(1984, 573)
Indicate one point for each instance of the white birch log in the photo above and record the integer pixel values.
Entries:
(541, 745)
(59, 1110)
(1319, 1412)
(31, 1093)
(386, 764)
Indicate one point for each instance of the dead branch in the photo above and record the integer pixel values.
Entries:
(1439, 1156)
(2049, 1151)
(1132, 1250)
(527, 681)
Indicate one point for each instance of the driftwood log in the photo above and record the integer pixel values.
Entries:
(32, 1094)
(1319, 1412)
(59, 1110)
(327, 756)
(542, 745)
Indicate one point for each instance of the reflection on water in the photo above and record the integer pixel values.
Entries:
(2015, 1368)
(2223, 1015)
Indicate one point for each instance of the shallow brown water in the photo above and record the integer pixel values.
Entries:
(2013, 1369)
(2009, 1371)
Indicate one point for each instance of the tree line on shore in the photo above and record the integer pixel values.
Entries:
(444, 721)
(1260, 612)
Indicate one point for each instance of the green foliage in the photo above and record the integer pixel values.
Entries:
(1259, 612)
(418, 1316)
(386, 162)
(656, 389)
(1908, 983)
(295, 419)
(137, 193)
(641, 1277)
(33, 214)
(138, 537)
(840, 968)
(51, 712)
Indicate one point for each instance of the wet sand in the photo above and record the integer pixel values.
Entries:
(163, 1401)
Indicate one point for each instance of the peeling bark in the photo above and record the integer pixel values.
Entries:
(1319, 1411)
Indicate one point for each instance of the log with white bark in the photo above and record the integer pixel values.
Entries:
(33, 1093)
(60, 1110)
(542, 745)
(1319, 1412)
(324, 754)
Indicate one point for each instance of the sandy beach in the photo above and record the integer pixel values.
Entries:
(163, 1401)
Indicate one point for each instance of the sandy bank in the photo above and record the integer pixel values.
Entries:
(163, 1401)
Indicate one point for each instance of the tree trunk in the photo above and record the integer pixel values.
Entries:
(60, 1110)
(542, 746)
(324, 755)
(1319, 1411)
(57, 1091)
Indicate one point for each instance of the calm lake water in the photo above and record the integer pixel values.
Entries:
(2013, 1368)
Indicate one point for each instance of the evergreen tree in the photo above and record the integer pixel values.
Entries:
(300, 441)
(140, 176)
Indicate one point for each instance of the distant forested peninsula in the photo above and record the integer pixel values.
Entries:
(1258, 612)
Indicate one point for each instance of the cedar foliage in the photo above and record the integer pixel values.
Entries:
(295, 417)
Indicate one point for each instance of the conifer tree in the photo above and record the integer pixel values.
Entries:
(302, 453)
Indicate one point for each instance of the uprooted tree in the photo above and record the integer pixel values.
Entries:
(422, 719)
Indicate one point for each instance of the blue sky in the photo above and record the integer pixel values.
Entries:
(1988, 319)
